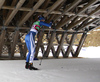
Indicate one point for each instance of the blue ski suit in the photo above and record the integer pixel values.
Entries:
(30, 39)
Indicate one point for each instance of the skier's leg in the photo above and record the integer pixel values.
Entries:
(27, 40)
(32, 41)
(32, 48)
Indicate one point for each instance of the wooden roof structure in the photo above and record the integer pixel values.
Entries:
(70, 17)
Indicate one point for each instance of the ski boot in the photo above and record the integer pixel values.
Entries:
(27, 65)
(31, 67)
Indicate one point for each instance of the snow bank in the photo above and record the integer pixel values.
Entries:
(90, 52)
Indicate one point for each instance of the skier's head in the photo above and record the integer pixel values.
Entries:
(41, 18)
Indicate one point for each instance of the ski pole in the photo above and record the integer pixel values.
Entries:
(41, 58)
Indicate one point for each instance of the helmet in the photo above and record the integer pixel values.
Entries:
(41, 18)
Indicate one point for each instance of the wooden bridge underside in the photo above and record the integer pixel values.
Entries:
(70, 18)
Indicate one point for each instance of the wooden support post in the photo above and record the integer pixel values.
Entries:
(42, 49)
(2, 36)
(53, 50)
(72, 50)
(49, 44)
(60, 47)
(24, 51)
(15, 40)
(20, 47)
(39, 43)
(70, 45)
(80, 44)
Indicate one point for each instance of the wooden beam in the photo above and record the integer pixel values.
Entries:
(80, 44)
(8, 20)
(49, 45)
(59, 42)
(2, 36)
(60, 45)
(56, 12)
(72, 5)
(20, 47)
(93, 12)
(71, 44)
(90, 29)
(57, 3)
(45, 30)
(72, 50)
(66, 19)
(15, 40)
(76, 23)
(24, 18)
(12, 4)
(24, 51)
(42, 49)
(45, 4)
(39, 43)
(53, 50)
(88, 23)
(1, 3)
(85, 19)
(52, 17)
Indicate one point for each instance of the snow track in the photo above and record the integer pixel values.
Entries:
(52, 70)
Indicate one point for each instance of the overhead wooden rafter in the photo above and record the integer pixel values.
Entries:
(19, 4)
(57, 3)
(72, 5)
(65, 20)
(25, 18)
(1, 3)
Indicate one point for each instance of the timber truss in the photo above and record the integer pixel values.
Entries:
(70, 18)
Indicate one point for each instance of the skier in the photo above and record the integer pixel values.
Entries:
(30, 41)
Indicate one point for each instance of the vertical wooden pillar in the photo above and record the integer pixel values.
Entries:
(80, 44)
(24, 51)
(72, 50)
(70, 45)
(53, 50)
(49, 45)
(60, 45)
(39, 42)
(2, 36)
(15, 40)
(62, 49)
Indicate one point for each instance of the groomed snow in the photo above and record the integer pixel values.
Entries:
(52, 70)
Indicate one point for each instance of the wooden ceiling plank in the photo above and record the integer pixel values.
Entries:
(1, 3)
(8, 20)
(55, 5)
(84, 26)
(24, 18)
(65, 20)
(67, 9)
(55, 12)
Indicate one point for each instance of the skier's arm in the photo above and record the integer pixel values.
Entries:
(45, 24)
